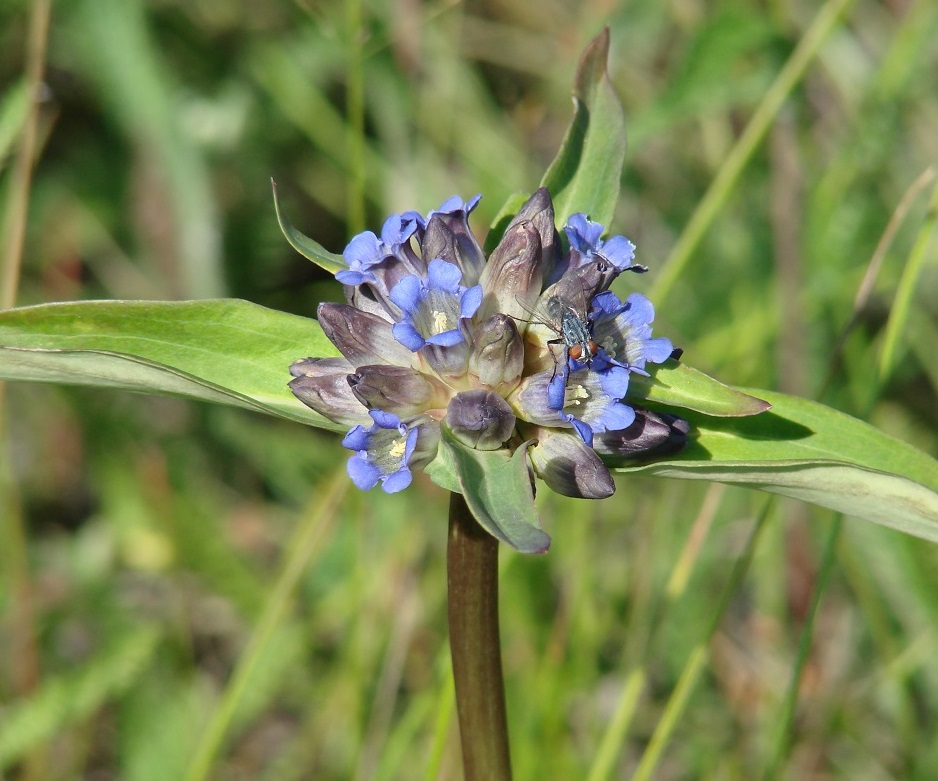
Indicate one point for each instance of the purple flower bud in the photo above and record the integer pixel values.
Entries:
(497, 357)
(362, 337)
(651, 435)
(322, 385)
(398, 389)
(569, 466)
(480, 419)
(449, 238)
(512, 277)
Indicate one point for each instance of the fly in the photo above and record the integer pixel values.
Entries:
(572, 329)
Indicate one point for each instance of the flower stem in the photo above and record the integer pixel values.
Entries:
(472, 579)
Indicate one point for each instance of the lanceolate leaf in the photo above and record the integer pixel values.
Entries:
(225, 351)
(677, 385)
(811, 452)
(584, 177)
(307, 247)
(498, 491)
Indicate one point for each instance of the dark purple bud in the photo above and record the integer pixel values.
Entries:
(362, 337)
(651, 435)
(538, 211)
(402, 391)
(480, 419)
(570, 467)
(512, 277)
(497, 357)
(322, 385)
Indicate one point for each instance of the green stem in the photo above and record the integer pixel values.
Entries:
(472, 580)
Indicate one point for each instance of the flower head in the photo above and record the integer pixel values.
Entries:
(526, 346)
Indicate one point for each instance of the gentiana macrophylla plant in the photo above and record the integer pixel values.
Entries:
(524, 350)
(488, 368)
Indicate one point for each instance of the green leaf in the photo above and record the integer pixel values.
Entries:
(814, 453)
(677, 385)
(506, 214)
(226, 351)
(498, 491)
(307, 247)
(584, 177)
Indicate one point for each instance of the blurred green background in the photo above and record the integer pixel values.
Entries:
(156, 530)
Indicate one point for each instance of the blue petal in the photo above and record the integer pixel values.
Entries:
(363, 250)
(583, 233)
(605, 303)
(364, 474)
(446, 338)
(407, 335)
(614, 381)
(356, 439)
(407, 294)
(354, 277)
(385, 419)
(581, 428)
(444, 276)
(615, 418)
(658, 350)
(471, 301)
(397, 481)
(619, 251)
(640, 309)
(557, 388)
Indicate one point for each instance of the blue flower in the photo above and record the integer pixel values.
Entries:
(366, 250)
(382, 453)
(584, 236)
(623, 330)
(591, 399)
(431, 308)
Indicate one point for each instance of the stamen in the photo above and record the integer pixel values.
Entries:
(575, 395)
(441, 322)
(399, 447)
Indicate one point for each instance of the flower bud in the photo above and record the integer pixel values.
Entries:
(497, 357)
(322, 385)
(397, 389)
(570, 467)
(362, 337)
(538, 211)
(480, 419)
(651, 435)
(512, 277)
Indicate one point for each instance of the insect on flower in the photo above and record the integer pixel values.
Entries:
(564, 313)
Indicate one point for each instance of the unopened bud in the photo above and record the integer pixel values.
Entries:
(651, 435)
(570, 467)
(480, 419)
(397, 389)
(497, 357)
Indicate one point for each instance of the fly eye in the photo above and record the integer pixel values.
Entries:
(575, 352)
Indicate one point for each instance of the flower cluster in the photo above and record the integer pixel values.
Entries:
(527, 345)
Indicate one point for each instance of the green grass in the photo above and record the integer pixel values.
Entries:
(182, 631)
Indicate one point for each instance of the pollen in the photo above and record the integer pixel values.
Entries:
(441, 322)
(575, 395)
(399, 447)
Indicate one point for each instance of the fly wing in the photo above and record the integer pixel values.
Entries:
(574, 291)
